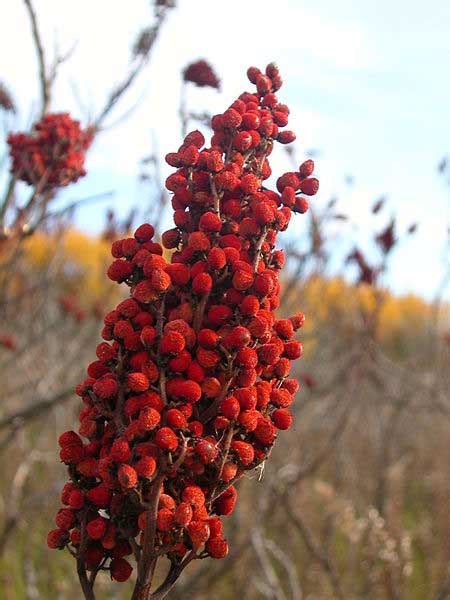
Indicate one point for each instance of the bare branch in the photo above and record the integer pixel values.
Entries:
(40, 407)
(315, 550)
(44, 80)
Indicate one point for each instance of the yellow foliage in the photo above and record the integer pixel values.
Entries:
(39, 249)
(335, 300)
(83, 261)
(400, 314)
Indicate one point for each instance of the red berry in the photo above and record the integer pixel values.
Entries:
(120, 569)
(310, 186)
(183, 514)
(282, 418)
(166, 439)
(127, 476)
(96, 528)
(217, 548)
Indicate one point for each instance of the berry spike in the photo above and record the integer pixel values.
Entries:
(191, 383)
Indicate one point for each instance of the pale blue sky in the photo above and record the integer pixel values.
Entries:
(367, 82)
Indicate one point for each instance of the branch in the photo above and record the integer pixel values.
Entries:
(81, 568)
(198, 318)
(258, 247)
(272, 579)
(21, 417)
(172, 576)
(118, 411)
(148, 559)
(330, 444)
(319, 555)
(9, 194)
(225, 452)
(44, 80)
(210, 412)
(140, 60)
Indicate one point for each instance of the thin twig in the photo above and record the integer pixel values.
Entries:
(319, 555)
(43, 77)
(86, 586)
(148, 559)
(22, 417)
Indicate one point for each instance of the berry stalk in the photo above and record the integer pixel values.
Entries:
(192, 384)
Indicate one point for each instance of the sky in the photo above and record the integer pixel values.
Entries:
(367, 84)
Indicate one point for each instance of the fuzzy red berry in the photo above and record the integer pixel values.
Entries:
(138, 382)
(57, 538)
(105, 388)
(310, 186)
(165, 519)
(96, 528)
(198, 532)
(265, 432)
(202, 284)
(306, 169)
(194, 496)
(166, 439)
(230, 407)
(120, 569)
(65, 518)
(183, 514)
(225, 503)
(99, 496)
(144, 233)
(146, 467)
(244, 451)
(217, 548)
(282, 418)
(120, 450)
(172, 342)
(176, 419)
(229, 471)
(206, 451)
(149, 418)
(76, 499)
(127, 476)
(210, 222)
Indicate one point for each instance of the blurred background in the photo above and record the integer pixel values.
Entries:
(354, 503)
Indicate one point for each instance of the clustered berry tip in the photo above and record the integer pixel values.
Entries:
(192, 379)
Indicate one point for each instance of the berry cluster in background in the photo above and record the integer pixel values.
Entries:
(192, 379)
(53, 154)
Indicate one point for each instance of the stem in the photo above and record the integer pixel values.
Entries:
(210, 412)
(258, 249)
(225, 452)
(162, 385)
(162, 372)
(135, 69)
(147, 562)
(118, 411)
(84, 581)
(43, 79)
(7, 199)
(86, 585)
(215, 195)
(198, 319)
(171, 578)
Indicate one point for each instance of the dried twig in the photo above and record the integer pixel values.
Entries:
(44, 79)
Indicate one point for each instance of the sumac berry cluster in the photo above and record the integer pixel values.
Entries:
(191, 383)
(52, 155)
(201, 74)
